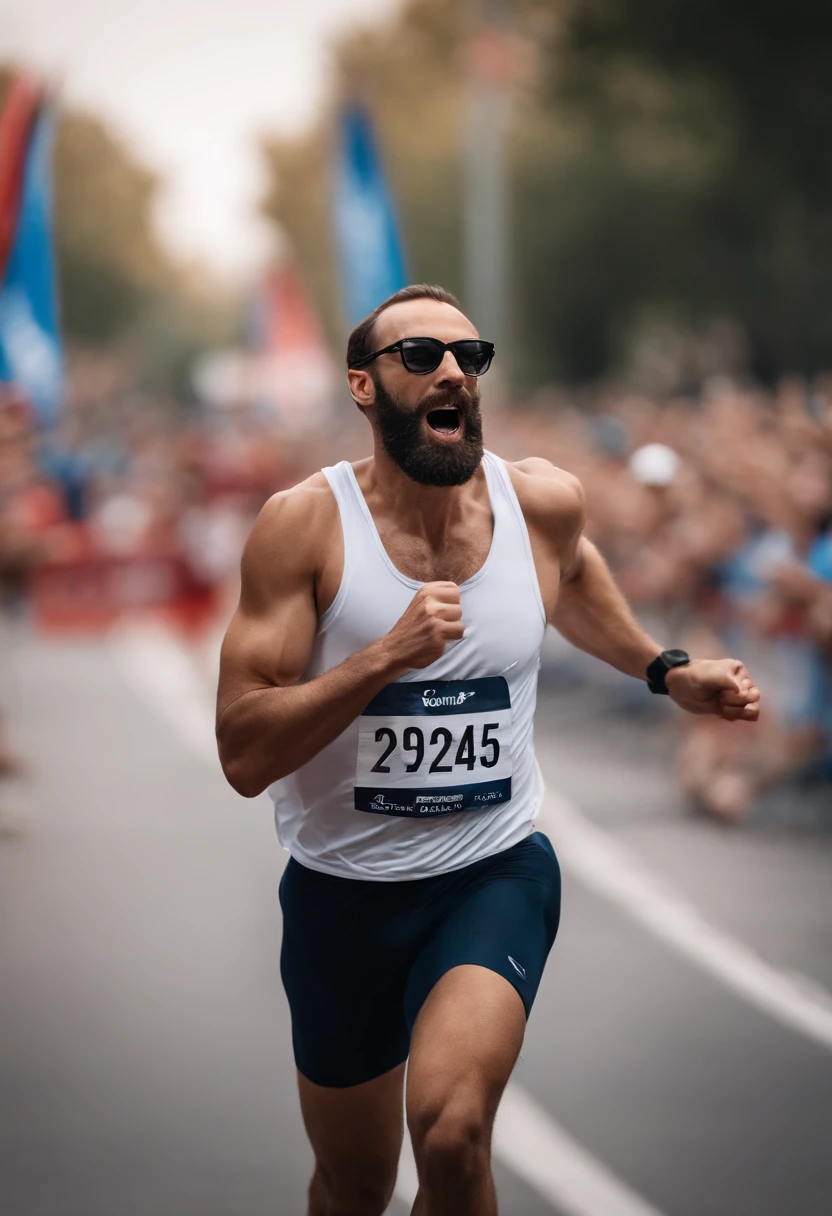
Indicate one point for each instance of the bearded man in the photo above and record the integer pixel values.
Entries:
(379, 677)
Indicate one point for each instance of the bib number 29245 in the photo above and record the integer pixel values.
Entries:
(429, 749)
(414, 741)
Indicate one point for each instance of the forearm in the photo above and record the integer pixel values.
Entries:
(270, 732)
(593, 615)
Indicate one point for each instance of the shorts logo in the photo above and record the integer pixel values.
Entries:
(521, 971)
(431, 701)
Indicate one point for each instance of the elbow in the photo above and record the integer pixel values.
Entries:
(247, 766)
(250, 783)
(241, 782)
(239, 772)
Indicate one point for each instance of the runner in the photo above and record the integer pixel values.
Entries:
(379, 677)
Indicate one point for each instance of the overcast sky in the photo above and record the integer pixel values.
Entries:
(190, 83)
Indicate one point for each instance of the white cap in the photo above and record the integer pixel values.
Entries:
(654, 465)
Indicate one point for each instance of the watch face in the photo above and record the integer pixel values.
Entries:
(675, 658)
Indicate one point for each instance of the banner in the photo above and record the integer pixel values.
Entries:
(366, 232)
(17, 119)
(30, 344)
(287, 371)
(298, 376)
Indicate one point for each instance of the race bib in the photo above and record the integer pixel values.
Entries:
(435, 748)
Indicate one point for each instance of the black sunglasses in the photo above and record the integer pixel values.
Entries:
(423, 355)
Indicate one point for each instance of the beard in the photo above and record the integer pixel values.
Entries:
(425, 460)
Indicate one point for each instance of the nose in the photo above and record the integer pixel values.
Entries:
(449, 371)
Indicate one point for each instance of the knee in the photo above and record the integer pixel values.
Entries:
(452, 1139)
(340, 1195)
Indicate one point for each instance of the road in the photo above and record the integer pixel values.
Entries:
(145, 1060)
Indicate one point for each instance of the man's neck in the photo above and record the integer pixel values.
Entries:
(429, 512)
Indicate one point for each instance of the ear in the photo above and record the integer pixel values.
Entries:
(362, 389)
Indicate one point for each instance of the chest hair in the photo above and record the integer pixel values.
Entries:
(456, 562)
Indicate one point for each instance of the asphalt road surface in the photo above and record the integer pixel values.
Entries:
(145, 1058)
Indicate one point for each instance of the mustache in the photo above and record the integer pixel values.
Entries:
(458, 397)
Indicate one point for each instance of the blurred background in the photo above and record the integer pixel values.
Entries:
(197, 202)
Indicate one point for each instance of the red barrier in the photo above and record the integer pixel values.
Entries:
(90, 594)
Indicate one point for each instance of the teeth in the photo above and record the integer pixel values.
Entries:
(448, 424)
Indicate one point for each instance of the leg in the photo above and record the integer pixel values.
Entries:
(356, 1135)
(344, 982)
(465, 1043)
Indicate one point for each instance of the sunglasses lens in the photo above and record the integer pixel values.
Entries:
(420, 356)
(474, 357)
(423, 355)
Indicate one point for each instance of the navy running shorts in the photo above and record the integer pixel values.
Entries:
(360, 957)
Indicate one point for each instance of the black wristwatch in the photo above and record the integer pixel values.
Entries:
(661, 665)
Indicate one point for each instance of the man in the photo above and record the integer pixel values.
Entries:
(379, 676)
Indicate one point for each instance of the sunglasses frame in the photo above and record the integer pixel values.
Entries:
(440, 347)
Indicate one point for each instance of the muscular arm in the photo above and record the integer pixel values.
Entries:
(593, 615)
(583, 601)
(269, 724)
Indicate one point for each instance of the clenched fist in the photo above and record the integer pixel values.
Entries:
(432, 621)
(715, 686)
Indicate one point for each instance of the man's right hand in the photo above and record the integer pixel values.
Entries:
(431, 622)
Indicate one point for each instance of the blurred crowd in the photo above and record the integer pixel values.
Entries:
(134, 506)
(128, 480)
(714, 511)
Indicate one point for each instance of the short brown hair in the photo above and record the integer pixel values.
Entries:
(360, 342)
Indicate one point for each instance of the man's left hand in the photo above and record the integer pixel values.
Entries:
(715, 686)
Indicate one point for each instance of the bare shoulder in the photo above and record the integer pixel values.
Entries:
(293, 532)
(549, 496)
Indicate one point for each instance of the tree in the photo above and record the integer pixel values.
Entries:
(407, 72)
(110, 261)
(753, 231)
(664, 159)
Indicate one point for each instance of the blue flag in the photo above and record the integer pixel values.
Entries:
(30, 343)
(367, 235)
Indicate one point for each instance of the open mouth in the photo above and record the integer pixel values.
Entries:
(445, 421)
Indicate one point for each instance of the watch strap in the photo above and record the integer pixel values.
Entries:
(661, 665)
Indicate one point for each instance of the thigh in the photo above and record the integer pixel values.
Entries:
(344, 971)
(465, 1043)
(356, 1133)
(504, 917)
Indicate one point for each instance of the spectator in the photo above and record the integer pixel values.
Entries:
(716, 515)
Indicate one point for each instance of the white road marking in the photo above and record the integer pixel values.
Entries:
(526, 1138)
(158, 667)
(529, 1141)
(162, 672)
(407, 1181)
(538, 1150)
(613, 871)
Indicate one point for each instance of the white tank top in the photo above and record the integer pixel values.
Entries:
(439, 770)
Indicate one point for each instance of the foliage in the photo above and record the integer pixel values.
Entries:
(664, 159)
(751, 87)
(110, 262)
(408, 74)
